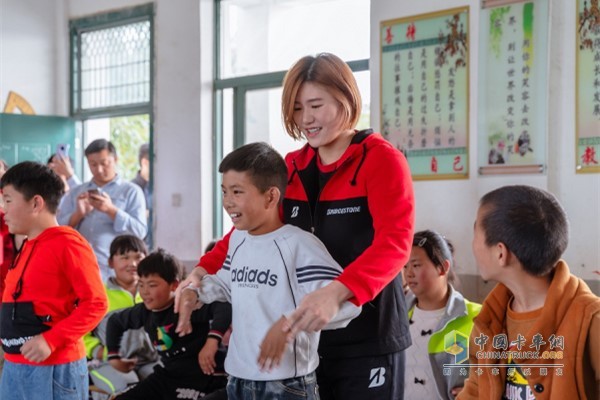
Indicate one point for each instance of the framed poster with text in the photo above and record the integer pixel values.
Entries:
(588, 86)
(425, 91)
(513, 96)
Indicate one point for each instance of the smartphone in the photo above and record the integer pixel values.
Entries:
(62, 150)
(96, 192)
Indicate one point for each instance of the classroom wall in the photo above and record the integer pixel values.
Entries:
(32, 60)
(450, 206)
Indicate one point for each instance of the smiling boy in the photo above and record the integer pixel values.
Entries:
(189, 360)
(126, 252)
(269, 268)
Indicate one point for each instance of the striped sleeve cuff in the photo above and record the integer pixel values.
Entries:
(216, 335)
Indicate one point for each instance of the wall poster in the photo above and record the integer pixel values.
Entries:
(588, 86)
(513, 62)
(425, 91)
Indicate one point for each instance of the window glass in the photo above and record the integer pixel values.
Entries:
(290, 29)
(115, 66)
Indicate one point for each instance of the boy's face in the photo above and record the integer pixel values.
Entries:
(125, 266)
(156, 292)
(484, 254)
(246, 205)
(19, 213)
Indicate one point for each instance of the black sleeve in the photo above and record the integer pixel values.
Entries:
(121, 321)
(219, 314)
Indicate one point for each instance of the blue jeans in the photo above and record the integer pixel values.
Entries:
(304, 387)
(44, 382)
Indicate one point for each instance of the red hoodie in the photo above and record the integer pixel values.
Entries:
(62, 280)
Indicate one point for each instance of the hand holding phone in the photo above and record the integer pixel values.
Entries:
(62, 150)
(95, 192)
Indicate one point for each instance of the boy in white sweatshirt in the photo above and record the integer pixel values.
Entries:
(269, 268)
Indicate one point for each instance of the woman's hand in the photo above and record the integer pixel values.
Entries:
(317, 309)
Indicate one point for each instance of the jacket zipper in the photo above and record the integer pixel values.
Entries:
(312, 219)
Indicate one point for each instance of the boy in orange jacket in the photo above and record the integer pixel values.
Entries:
(536, 336)
(53, 293)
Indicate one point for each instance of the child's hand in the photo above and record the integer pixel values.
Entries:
(456, 390)
(124, 365)
(273, 346)
(206, 357)
(36, 349)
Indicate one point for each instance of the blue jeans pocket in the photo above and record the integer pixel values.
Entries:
(295, 388)
(70, 381)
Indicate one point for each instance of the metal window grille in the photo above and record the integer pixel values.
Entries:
(115, 66)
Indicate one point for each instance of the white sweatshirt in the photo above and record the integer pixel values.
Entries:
(265, 277)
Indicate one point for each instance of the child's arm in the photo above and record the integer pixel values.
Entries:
(81, 270)
(211, 262)
(93, 346)
(206, 357)
(220, 316)
(215, 288)
(119, 322)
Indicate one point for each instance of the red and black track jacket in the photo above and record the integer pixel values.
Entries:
(365, 216)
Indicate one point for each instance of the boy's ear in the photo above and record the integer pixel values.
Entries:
(174, 285)
(38, 203)
(273, 195)
(110, 262)
(502, 254)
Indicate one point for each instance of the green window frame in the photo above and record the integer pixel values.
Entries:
(240, 86)
(114, 19)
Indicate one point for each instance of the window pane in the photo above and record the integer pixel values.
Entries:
(115, 66)
(259, 36)
(263, 120)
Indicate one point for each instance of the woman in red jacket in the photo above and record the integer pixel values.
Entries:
(353, 190)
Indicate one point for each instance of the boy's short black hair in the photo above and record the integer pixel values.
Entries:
(264, 165)
(163, 264)
(530, 222)
(31, 178)
(123, 244)
(98, 145)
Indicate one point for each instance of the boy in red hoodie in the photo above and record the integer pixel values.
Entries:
(53, 292)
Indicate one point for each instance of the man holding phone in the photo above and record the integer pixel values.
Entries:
(106, 206)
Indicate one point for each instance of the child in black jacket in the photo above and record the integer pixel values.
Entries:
(190, 360)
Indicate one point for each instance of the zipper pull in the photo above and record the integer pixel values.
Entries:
(312, 230)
